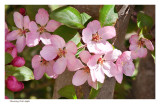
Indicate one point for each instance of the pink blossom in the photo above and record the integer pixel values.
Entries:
(83, 75)
(19, 34)
(11, 49)
(6, 30)
(42, 66)
(13, 84)
(137, 46)
(101, 64)
(41, 31)
(6, 97)
(95, 37)
(124, 65)
(18, 61)
(64, 54)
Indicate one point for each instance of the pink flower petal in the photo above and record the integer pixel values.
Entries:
(128, 68)
(18, 61)
(119, 77)
(36, 61)
(26, 22)
(112, 55)
(99, 74)
(42, 17)
(57, 41)
(142, 52)
(134, 54)
(11, 49)
(21, 43)
(18, 19)
(149, 44)
(52, 25)
(33, 26)
(104, 47)
(13, 84)
(85, 56)
(32, 39)
(92, 63)
(86, 35)
(107, 32)
(94, 26)
(133, 47)
(93, 48)
(71, 47)
(48, 52)
(39, 72)
(60, 65)
(13, 35)
(79, 78)
(45, 38)
(91, 83)
(73, 63)
(49, 68)
(109, 68)
(134, 39)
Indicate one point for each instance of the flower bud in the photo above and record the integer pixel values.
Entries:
(18, 61)
(22, 11)
(13, 84)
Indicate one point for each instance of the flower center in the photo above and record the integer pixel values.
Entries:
(140, 43)
(23, 32)
(43, 62)
(96, 37)
(100, 60)
(86, 69)
(41, 29)
(61, 52)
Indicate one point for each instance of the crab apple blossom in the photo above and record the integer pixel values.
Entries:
(22, 24)
(124, 65)
(83, 74)
(42, 66)
(6, 30)
(41, 31)
(137, 46)
(18, 61)
(101, 64)
(11, 49)
(95, 37)
(64, 54)
(13, 84)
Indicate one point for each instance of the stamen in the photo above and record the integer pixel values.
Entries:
(96, 37)
(86, 69)
(140, 43)
(44, 62)
(61, 52)
(100, 61)
(41, 29)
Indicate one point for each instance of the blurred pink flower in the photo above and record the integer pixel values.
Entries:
(124, 65)
(13, 84)
(6, 30)
(18, 61)
(11, 49)
(101, 64)
(64, 54)
(19, 34)
(95, 37)
(41, 31)
(6, 97)
(83, 75)
(137, 46)
(42, 66)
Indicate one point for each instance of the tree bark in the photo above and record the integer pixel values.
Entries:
(107, 90)
(144, 85)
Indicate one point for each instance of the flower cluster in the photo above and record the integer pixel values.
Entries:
(97, 60)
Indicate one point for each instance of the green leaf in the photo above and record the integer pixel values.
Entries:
(93, 93)
(68, 34)
(144, 21)
(80, 49)
(31, 10)
(9, 94)
(69, 16)
(85, 18)
(132, 26)
(68, 92)
(108, 16)
(153, 54)
(21, 73)
(8, 58)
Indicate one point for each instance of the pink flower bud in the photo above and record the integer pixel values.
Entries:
(18, 61)
(13, 84)
(6, 97)
(22, 11)
(11, 49)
